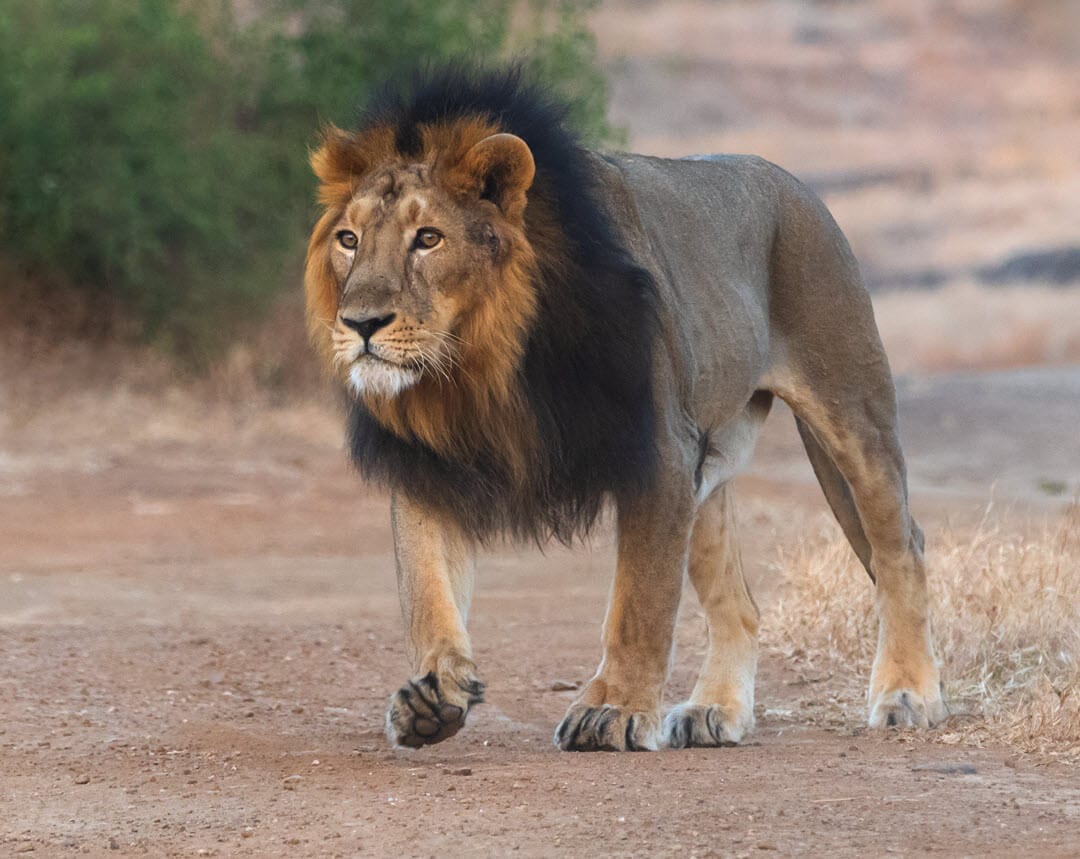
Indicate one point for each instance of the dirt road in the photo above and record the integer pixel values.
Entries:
(199, 634)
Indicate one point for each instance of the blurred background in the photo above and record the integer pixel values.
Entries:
(171, 461)
(154, 187)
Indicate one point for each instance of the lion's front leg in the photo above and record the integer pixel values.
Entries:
(619, 709)
(435, 565)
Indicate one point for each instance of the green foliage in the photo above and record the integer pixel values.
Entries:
(153, 152)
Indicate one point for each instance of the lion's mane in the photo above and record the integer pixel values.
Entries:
(584, 376)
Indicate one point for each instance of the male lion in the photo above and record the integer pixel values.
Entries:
(529, 329)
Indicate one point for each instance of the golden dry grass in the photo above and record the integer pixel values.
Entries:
(1007, 609)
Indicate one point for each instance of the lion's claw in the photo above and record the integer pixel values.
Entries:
(606, 728)
(421, 714)
(905, 708)
(704, 725)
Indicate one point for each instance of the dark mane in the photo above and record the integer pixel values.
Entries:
(586, 373)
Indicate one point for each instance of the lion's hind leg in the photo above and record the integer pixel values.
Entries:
(858, 432)
(720, 710)
(829, 366)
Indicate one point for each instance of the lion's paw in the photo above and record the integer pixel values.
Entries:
(425, 711)
(607, 729)
(689, 725)
(905, 708)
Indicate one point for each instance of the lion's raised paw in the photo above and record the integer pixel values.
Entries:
(607, 729)
(423, 711)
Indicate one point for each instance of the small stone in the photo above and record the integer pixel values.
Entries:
(247, 832)
(291, 782)
(564, 685)
(950, 768)
(82, 778)
(461, 771)
(114, 844)
(25, 848)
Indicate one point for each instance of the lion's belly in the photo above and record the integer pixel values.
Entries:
(727, 449)
(705, 230)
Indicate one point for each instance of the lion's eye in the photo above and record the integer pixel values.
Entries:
(347, 239)
(427, 238)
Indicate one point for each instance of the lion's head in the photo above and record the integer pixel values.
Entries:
(417, 272)
(467, 286)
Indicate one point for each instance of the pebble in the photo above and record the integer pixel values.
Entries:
(564, 685)
(82, 778)
(946, 768)
(461, 771)
(291, 782)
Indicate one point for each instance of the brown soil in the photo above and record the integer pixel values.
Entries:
(200, 634)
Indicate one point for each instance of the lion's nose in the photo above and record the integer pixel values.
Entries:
(366, 327)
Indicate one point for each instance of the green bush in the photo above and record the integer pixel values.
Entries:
(153, 152)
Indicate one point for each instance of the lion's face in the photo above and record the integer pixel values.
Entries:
(410, 262)
(418, 255)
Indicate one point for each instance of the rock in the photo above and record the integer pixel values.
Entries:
(564, 685)
(461, 771)
(82, 778)
(946, 768)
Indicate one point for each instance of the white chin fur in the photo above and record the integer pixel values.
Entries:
(372, 376)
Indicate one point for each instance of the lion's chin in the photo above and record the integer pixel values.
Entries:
(370, 375)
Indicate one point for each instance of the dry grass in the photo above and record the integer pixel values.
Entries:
(1007, 627)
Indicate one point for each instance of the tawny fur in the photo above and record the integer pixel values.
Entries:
(755, 294)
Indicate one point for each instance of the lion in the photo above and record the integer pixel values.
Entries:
(530, 332)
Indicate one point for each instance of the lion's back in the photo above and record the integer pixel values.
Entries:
(742, 251)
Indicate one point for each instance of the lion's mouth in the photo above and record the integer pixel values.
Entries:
(373, 374)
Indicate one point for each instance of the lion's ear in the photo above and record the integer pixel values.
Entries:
(501, 169)
(327, 160)
(338, 160)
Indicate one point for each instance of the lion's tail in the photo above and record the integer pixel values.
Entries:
(837, 493)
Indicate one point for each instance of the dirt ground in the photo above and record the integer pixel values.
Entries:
(198, 624)
(200, 633)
